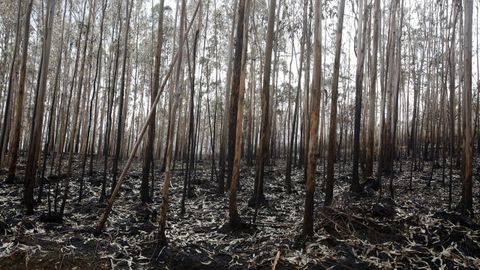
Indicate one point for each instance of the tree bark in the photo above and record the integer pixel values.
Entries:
(262, 150)
(313, 123)
(37, 123)
(293, 136)
(11, 81)
(236, 111)
(332, 135)
(361, 41)
(373, 84)
(148, 154)
(466, 201)
(20, 97)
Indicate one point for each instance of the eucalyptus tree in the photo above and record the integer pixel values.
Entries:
(162, 239)
(19, 108)
(120, 119)
(110, 99)
(148, 154)
(96, 85)
(190, 151)
(80, 85)
(466, 201)
(293, 134)
(236, 109)
(162, 221)
(372, 94)
(332, 139)
(258, 195)
(37, 123)
(226, 136)
(361, 44)
(11, 83)
(312, 148)
(385, 164)
(451, 87)
(50, 127)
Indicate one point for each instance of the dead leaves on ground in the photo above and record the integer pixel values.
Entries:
(413, 231)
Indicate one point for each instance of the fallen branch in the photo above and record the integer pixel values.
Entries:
(277, 257)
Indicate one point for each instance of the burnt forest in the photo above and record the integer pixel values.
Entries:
(239, 134)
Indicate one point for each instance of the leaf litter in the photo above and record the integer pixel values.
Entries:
(371, 231)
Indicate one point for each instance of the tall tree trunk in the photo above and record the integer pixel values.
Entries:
(332, 135)
(236, 110)
(191, 125)
(120, 122)
(76, 112)
(50, 131)
(166, 183)
(96, 86)
(11, 82)
(225, 131)
(37, 123)
(466, 201)
(293, 136)
(109, 110)
(373, 84)
(262, 151)
(162, 239)
(385, 163)
(20, 97)
(313, 123)
(148, 154)
(361, 41)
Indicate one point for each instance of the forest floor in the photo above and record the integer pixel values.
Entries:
(415, 230)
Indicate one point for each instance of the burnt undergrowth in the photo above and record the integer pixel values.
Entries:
(360, 231)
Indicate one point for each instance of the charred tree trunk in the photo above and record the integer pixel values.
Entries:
(361, 41)
(20, 97)
(262, 151)
(466, 201)
(373, 84)
(37, 123)
(332, 135)
(236, 109)
(11, 81)
(313, 123)
(148, 154)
